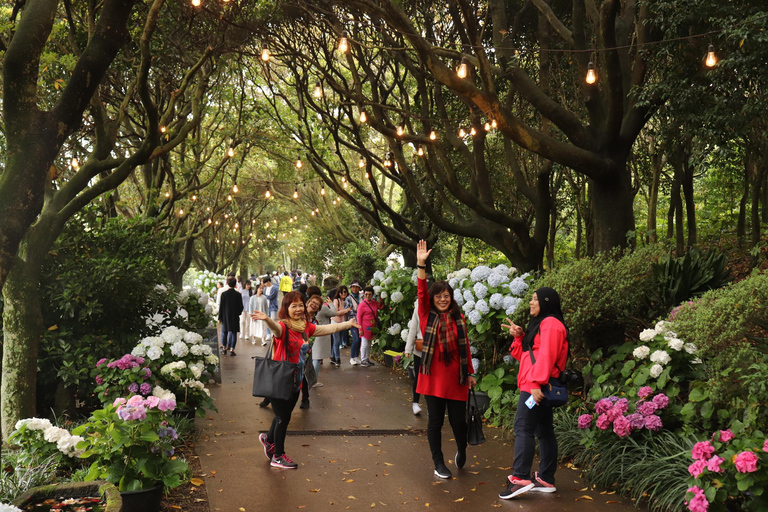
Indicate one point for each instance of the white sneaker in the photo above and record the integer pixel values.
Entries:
(318, 385)
(354, 361)
(416, 408)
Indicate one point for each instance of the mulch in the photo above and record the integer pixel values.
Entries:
(189, 497)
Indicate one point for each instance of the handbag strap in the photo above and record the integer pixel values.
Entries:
(473, 399)
(567, 344)
(270, 349)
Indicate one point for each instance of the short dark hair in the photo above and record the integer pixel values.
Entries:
(368, 289)
(313, 290)
(231, 281)
(231, 274)
(439, 287)
(266, 280)
(303, 288)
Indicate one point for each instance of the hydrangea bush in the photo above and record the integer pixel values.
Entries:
(195, 306)
(397, 288)
(622, 417)
(38, 436)
(128, 375)
(206, 281)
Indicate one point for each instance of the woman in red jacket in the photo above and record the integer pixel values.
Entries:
(446, 366)
(547, 337)
(293, 317)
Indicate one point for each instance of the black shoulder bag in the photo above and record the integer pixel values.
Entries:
(275, 378)
(555, 392)
(475, 434)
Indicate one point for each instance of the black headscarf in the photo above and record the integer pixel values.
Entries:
(549, 305)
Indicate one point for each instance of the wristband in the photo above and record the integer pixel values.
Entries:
(421, 266)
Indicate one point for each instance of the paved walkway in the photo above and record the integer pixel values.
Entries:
(361, 471)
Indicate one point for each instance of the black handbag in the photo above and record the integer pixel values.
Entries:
(475, 434)
(274, 378)
(555, 392)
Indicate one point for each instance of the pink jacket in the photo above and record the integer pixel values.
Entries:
(366, 316)
(550, 351)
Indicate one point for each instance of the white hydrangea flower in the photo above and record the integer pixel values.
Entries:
(661, 326)
(383, 294)
(510, 310)
(203, 300)
(512, 303)
(414, 279)
(475, 317)
(656, 370)
(179, 349)
(690, 348)
(172, 334)
(378, 275)
(476, 364)
(161, 288)
(641, 352)
(502, 269)
(52, 434)
(676, 344)
(404, 334)
(497, 301)
(468, 296)
(480, 273)
(480, 290)
(182, 296)
(518, 286)
(394, 329)
(192, 338)
(453, 282)
(208, 309)
(9, 508)
(495, 279)
(34, 424)
(647, 335)
(463, 273)
(156, 319)
(212, 359)
(182, 313)
(482, 307)
(389, 269)
(670, 335)
(697, 361)
(473, 349)
(469, 306)
(397, 297)
(376, 290)
(139, 351)
(197, 369)
(507, 359)
(660, 356)
(154, 353)
(197, 350)
(458, 297)
(388, 281)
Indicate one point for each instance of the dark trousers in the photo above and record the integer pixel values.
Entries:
(457, 410)
(228, 339)
(304, 389)
(529, 423)
(279, 428)
(416, 368)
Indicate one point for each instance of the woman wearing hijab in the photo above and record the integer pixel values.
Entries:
(547, 338)
(446, 367)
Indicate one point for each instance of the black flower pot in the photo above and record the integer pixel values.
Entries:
(188, 414)
(389, 361)
(106, 490)
(144, 500)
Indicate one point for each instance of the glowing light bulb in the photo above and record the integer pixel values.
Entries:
(75, 164)
(226, 215)
(462, 133)
(167, 194)
(299, 164)
(268, 194)
(472, 131)
(318, 90)
(711, 58)
(229, 197)
(432, 135)
(361, 162)
(296, 194)
(313, 213)
(210, 221)
(400, 131)
(253, 221)
(162, 129)
(463, 70)
(420, 151)
(344, 42)
(208, 208)
(367, 175)
(591, 75)
(196, 3)
(493, 124)
(265, 56)
(194, 198)
(234, 188)
(267, 225)
(181, 212)
(231, 152)
(363, 116)
(322, 191)
(343, 179)
(237, 225)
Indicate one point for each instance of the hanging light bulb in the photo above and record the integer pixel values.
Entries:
(162, 129)
(493, 124)
(318, 90)
(226, 215)
(462, 133)
(267, 194)
(344, 42)
(194, 198)
(234, 188)
(367, 175)
(299, 164)
(343, 179)
(334, 202)
(210, 221)
(253, 221)
(432, 135)
(229, 197)
(181, 211)
(711, 58)
(231, 152)
(265, 55)
(237, 225)
(196, 3)
(387, 161)
(296, 194)
(463, 70)
(207, 208)
(313, 213)
(167, 194)
(322, 191)
(472, 131)
(420, 151)
(591, 75)
(361, 162)
(217, 223)
(267, 225)
(345, 184)
(487, 126)
(400, 130)
(363, 116)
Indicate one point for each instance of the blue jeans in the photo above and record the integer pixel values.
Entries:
(536, 422)
(339, 338)
(354, 350)
(228, 339)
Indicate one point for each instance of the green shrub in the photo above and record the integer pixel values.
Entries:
(679, 279)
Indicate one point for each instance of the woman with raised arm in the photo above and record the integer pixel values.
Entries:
(446, 366)
(293, 317)
(547, 339)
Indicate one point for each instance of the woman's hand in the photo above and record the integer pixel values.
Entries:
(472, 382)
(514, 330)
(356, 325)
(422, 254)
(538, 395)
(259, 315)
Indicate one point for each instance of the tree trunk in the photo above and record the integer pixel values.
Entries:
(22, 328)
(653, 199)
(690, 206)
(459, 250)
(612, 213)
(552, 238)
(756, 193)
(741, 225)
(577, 252)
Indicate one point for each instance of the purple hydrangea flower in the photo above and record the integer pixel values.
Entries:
(145, 389)
(647, 408)
(585, 421)
(661, 400)
(637, 421)
(603, 406)
(147, 373)
(653, 422)
(133, 387)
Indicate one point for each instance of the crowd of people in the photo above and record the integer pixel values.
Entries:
(288, 310)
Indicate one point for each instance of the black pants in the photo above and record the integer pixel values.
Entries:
(457, 410)
(304, 389)
(416, 368)
(279, 428)
(536, 422)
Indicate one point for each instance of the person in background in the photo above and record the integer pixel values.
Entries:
(413, 346)
(293, 318)
(245, 316)
(259, 328)
(286, 284)
(321, 311)
(220, 288)
(303, 290)
(367, 316)
(547, 338)
(270, 292)
(275, 279)
(342, 312)
(239, 284)
(351, 302)
(229, 316)
(446, 365)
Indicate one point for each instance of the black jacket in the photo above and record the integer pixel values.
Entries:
(230, 307)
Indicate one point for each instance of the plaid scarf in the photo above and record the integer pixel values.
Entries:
(439, 332)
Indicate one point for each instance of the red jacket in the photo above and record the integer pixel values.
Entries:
(549, 347)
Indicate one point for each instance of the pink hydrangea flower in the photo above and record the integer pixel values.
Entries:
(647, 408)
(702, 450)
(637, 421)
(145, 388)
(118, 401)
(765, 446)
(745, 462)
(622, 405)
(713, 464)
(99, 380)
(603, 422)
(151, 402)
(135, 401)
(644, 392)
(101, 362)
(653, 423)
(661, 400)
(622, 427)
(697, 468)
(166, 404)
(603, 406)
(698, 503)
(585, 421)
(726, 435)
(613, 414)
(147, 373)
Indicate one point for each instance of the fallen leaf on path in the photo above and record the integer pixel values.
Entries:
(314, 490)
(351, 498)
(388, 464)
(585, 497)
(350, 480)
(196, 481)
(613, 501)
(458, 500)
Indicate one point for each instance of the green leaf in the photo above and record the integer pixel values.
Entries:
(697, 394)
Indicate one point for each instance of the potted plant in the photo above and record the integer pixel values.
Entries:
(191, 393)
(128, 375)
(131, 444)
(106, 492)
